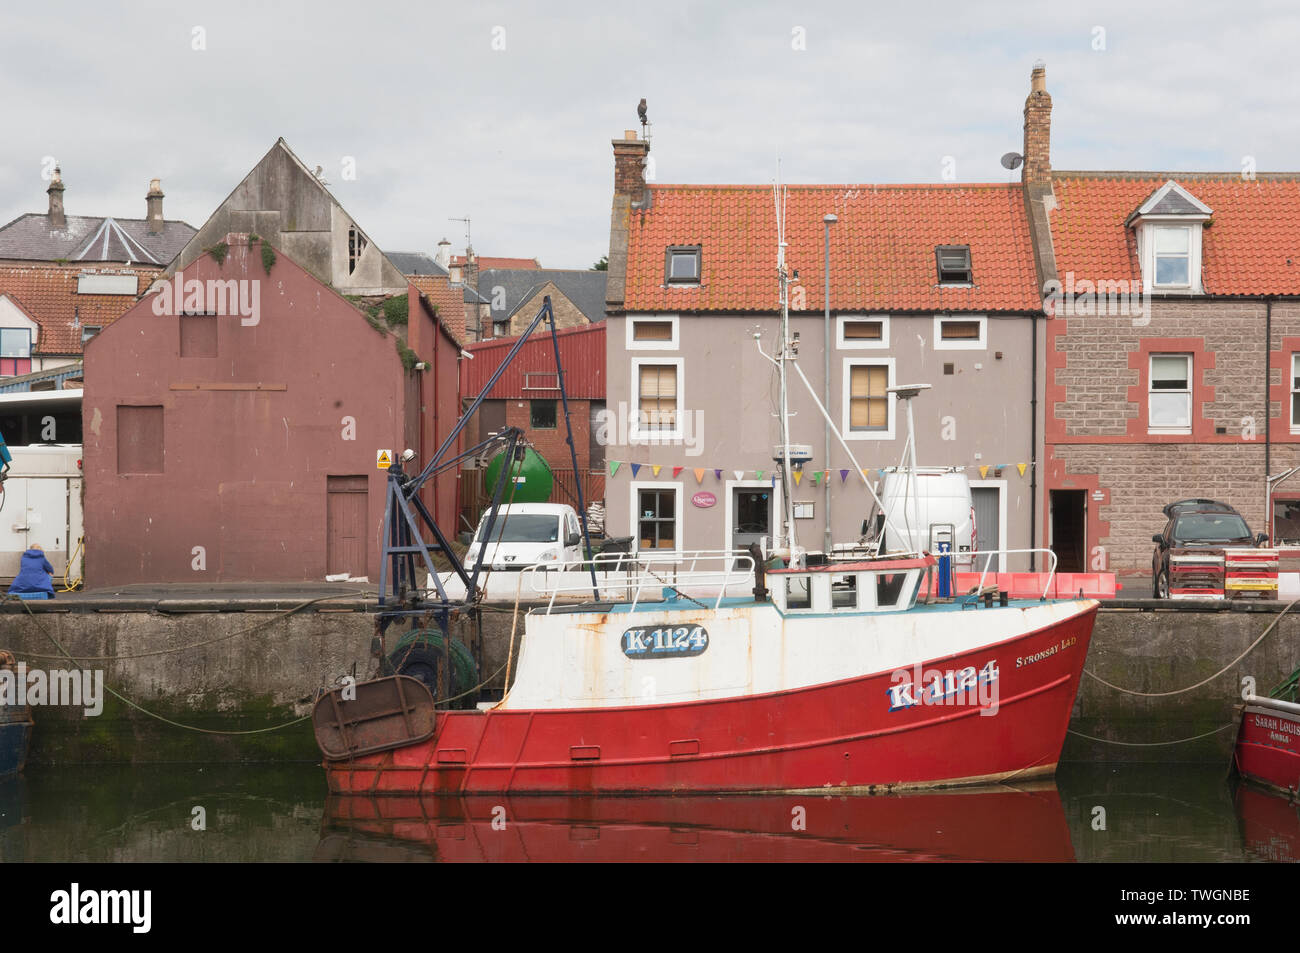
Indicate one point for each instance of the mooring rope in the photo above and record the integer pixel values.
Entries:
(1149, 744)
(510, 653)
(1180, 691)
(278, 617)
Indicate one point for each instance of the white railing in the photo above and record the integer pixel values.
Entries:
(1051, 574)
(632, 574)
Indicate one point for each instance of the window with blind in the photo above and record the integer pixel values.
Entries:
(652, 334)
(959, 333)
(657, 396)
(862, 333)
(1295, 393)
(1169, 396)
(868, 402)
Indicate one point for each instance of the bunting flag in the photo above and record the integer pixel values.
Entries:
(798, 475)
(844, 475)
(699, 474)
(740, 474)
(984, 471)
(880, 471)
(635, 467)
(758, 474)
(815, 475)
(718, 474)
(866, 476)
(826, 476)
(615, 464)
(677, 470)
(1021, 468)
(655, 468)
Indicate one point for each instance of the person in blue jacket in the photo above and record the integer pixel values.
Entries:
(35, 574)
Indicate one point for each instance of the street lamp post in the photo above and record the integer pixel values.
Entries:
(827, 221)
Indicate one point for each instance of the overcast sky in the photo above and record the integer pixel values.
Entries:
(441, 124)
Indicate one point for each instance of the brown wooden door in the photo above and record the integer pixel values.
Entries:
(345, 530)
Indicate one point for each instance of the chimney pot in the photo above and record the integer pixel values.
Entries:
(55, 192)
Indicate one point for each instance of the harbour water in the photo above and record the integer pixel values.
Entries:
(242, 813)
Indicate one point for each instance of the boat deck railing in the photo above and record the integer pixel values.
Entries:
(629, 577)
(1051, 563)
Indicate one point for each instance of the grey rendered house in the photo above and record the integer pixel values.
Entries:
(931, 284)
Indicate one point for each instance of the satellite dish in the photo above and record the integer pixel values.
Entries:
(1012, 160)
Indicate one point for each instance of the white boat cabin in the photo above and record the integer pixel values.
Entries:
(882, 585)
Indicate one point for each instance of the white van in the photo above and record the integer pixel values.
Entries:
(526, 534)
(943, 508)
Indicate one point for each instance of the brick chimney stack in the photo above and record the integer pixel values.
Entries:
(153, 207)
(471, 268)
(1038, 130)
(55, 192)
(629, 166)
(630, 194)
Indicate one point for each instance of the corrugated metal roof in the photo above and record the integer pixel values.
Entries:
(532, 374)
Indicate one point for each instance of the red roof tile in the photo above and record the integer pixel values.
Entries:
(484, 262)
(449, 299)
(882, 249)
(1247, 249)
(49, 294)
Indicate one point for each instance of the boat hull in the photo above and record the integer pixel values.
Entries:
(869, 734)
(1268, 746)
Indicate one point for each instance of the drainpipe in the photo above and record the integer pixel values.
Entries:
(1268, 415)
(1033, 442)
(827, 221)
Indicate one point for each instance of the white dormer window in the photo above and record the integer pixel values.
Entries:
(1168, 228)
(1173, 256)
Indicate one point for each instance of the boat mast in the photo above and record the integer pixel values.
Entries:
(783, 355)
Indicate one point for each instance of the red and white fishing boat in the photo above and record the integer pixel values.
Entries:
(842, 680)
(1268, 744)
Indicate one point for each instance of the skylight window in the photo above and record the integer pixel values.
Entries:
(954, 264)
(683, 264)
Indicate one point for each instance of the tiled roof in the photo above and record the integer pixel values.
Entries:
(1251, 245)
(49, 294)
(91, 238)
(586, 289)
(448, 299)
(882, 249)
(412, 263)
(485, 262)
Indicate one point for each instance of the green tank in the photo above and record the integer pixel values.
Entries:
(534, 471)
